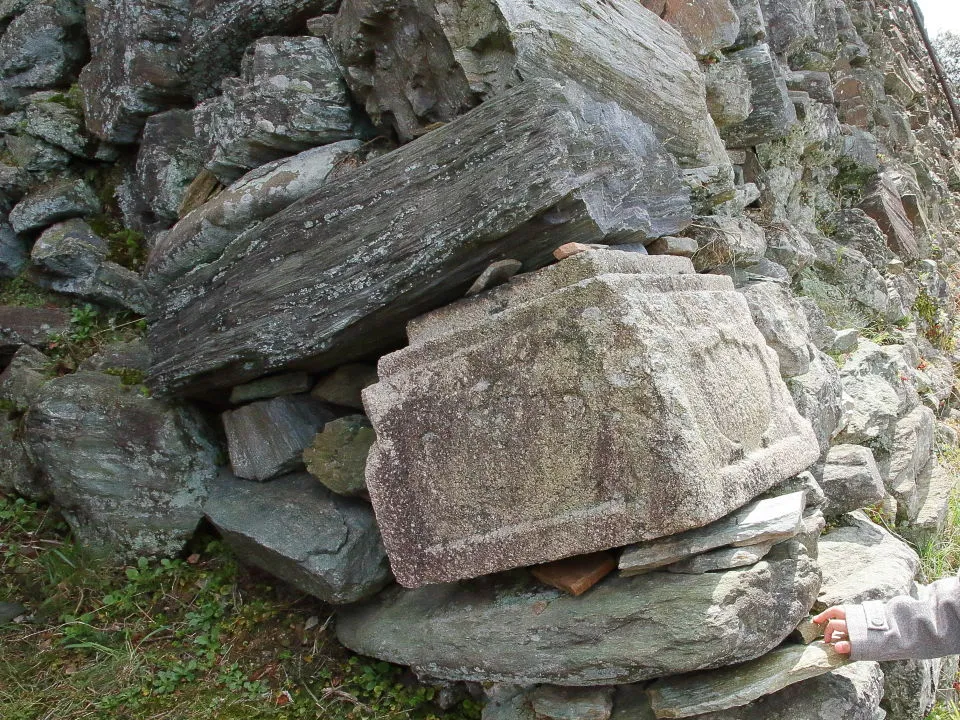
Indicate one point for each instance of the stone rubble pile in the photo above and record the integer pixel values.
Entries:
(576, 352)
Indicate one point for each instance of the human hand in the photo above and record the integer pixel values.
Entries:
(835, 632)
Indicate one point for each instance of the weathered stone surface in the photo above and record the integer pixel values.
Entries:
(432, 469)
(133, 71)
(882, 203)
(36, 156)
(497, 273)
(41, 48)
(48, 205)
(558, 703)
(934, 487)
(726, 241)
(852, 692)
(29, 326)
(853, 273)
(783, 324)
(728, 92)
(722, 559)
(682, 246)
(753, 29)
(14, 251)
(290, 97)
(858, 230)
(17, 473)
(705, 26)
(128, 472)
(773, 113)
(584, 170)
(817, 395)
(130, 355)
(576, 575)
(69, 248)
(851, 479)
(910, 687)
(345, 384)
(300, 532)
(270, 387)
(107, 283)
(421, 61)
(337, 457)
(774, 519)
(862, 561)
(740, 684)
(204, 233)
(910, 452)
(50, 119)
(876, 393)
(267, 438)
(505, 628)
(817, 85)
(22, 379)
(846, 341)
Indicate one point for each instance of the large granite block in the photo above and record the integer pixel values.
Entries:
(609, 399)
(334, 277)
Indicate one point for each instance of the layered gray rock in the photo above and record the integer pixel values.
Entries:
(290, 97)
(270, 387)
(564, 703)
(773, 113)
(506, 628)
(337, 457)
(267, 438)
(17, 472)
(22, 379)
(706, 26)
(910, 452)
(479, 50)
(783, 324)
(204, 233)
(587, 171)
(910, 687)
(128, 472)
(851, 479)
(882, 203)
(14, 251)
(726, 241)
(29, 326)
(935, 486)
(108, 284)
(69, 248)
(817, 395)
(773, 519)
(59, 201)
(606, 362)
(345, 384)
(300, 532)
(54, 119)
(723, 559)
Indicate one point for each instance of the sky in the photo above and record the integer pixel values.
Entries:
(941, 15)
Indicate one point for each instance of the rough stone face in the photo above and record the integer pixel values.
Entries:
(741, 684)
(338, 455)
(934, 487)
(14, 251)
(17, 472)
(910, 687)
(558, 703)
(851, 479)
(108, 284)
(290, 97)
(505, 628)
(882, 203)
(725, 241)
(22, 379)
(49, 119)
(911, 450)
(772, 519)
(705, 26)
(129, 472)
(267, 438)
(295, 529)
(422, 61)
(202, 235)
(773, 113)
(69, 248)
(48, 205)
(722, 559)
(29, 326)
(357, 262)
(788, 246)
(345, 384)
(130, 355)
(862, 561)
(783, 324)
(728, 92)
(605, 360)
(270, 387)
(817, 395)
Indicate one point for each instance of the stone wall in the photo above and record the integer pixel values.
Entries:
(575, 351)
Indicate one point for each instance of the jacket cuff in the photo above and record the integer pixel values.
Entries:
(866, 624)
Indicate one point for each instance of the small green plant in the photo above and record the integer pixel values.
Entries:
(128, 376)
(83, 322)
(72, 98)
(127, 248)
(21, 292)
(934, 320)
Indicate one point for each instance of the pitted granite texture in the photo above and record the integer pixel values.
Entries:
(609, 399)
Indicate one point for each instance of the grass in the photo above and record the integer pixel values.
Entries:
(184, 638)
(20, 291)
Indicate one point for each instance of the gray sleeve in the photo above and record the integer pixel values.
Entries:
(905, 628)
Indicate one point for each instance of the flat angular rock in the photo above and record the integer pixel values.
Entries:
(290, 97)
(50, 119)
(545, 497)
(934, 488)
(129, 472)
(773, 114)
(911, 449)
(776, 519)
(69, 248)
(601, 175)
(851, 479)
(202, 235)
(270, 387)
(725, 240)
(911, 687)
(728, 91)
(557, 703)
(817, 395)
(684, 247)
(505, 628)
(29, 326)
(862, 561)
(496, 273)
(345, 384)
(422, 61)
(578, 574)
(705, 26)
(722, 559)
(300, 532)
(882, 203)
(267, 438)
(783, 324)
(59, 201)
(337, 457)
(129, 355)
(741, 684)
(22, 379)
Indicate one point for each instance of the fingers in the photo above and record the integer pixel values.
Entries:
(842, 647)
(832, 613)
(835, 631)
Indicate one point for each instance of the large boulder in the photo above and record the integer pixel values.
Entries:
(57, 201)
(462, 425)
(334, 276)
(128, 472)
(297, 530)
(508, 628)
(416, 62)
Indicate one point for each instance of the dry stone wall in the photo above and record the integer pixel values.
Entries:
(708, 256)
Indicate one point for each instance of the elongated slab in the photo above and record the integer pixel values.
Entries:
(776, 518)
(336, 275)
(741, 684)
(612, 398)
